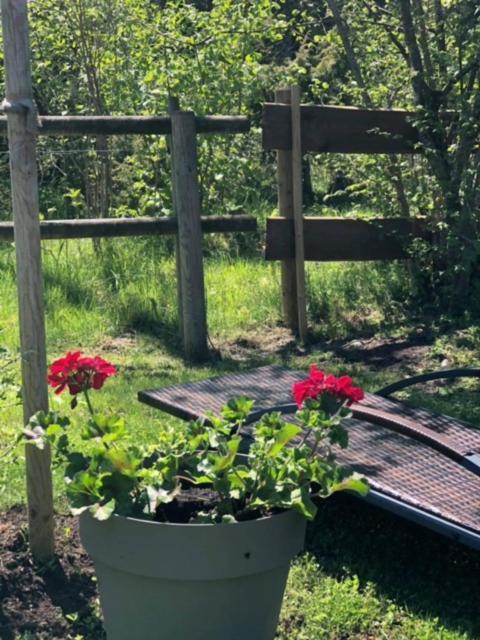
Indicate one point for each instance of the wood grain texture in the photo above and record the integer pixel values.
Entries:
(285, 209)
(297, 193)
(186, 192)
(174, 105)
(341, 239)
(121, 227)
(127, 125)
(23, 170)
(331, 129)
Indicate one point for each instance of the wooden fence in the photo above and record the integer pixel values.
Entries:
(128, 125)
(293, 130)
(123, 227)
(188, 224)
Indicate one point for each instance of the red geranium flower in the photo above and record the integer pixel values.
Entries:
(79, 373)
(319, 383)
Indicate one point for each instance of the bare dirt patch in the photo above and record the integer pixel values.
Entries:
(54, 602)
(407, 354)
(271, 341)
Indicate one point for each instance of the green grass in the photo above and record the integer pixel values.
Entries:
(366, 575)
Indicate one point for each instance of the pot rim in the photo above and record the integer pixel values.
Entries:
(191, 524)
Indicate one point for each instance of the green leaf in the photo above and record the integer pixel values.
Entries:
(53, 430)
(304, 504)
(354, 483)
(227, 518)
(84, 490)
(76, 462)
(339, 435)
(222, 463)
(103, 511)
(76, 511)
(287, 433)
(237, 409)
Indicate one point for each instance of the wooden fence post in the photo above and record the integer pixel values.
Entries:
(22, 123)
(174, 105)
(297, 191)
(290, 205)
(186, 197)
(285, 209)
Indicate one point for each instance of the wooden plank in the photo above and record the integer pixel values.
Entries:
(331, 129)
(122, 227)
(126, 125)
(285, 209)
(174, 105)
(297, 194)
(186, 197)
(24, 184)
(341, 239)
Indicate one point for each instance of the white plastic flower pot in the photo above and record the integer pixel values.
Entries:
(192, 582)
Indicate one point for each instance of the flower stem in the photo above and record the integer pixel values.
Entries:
(89, 404)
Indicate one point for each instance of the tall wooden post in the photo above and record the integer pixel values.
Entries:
(174, 105)
(285, 209)
(22, 123)
(297, 192)
(290, 205)
(186, 197)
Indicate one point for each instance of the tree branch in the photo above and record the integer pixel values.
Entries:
(423, 40)
(375, 15)
(349, 52)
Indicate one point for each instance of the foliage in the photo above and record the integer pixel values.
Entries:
(269, 476)
(127, 57)
(10, 397)
(424, 56)
(9, 387)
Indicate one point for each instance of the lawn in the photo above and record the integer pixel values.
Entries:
(365, 574)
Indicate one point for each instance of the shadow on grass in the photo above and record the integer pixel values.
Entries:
(416, 568)
(75, 292)
(139, 315)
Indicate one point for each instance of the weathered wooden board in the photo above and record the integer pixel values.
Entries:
(124, 125)
(285, 209)
(187, 205)
(119, 227)
(331, 129)
(338, 239)
(22, 141)
(297, 192)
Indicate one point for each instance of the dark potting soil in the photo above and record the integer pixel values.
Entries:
(190, 502)
(53, 602)
(187, 505)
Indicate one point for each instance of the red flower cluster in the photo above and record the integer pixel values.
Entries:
(320, 383)
(79, 373)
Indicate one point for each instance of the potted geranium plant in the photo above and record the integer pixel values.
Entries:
(191, 538)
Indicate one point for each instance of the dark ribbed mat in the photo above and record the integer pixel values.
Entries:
(397, 466)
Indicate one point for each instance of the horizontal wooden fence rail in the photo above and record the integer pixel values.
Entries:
(338, 239)
(123, 125)
(331, 129)
(120, 227)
